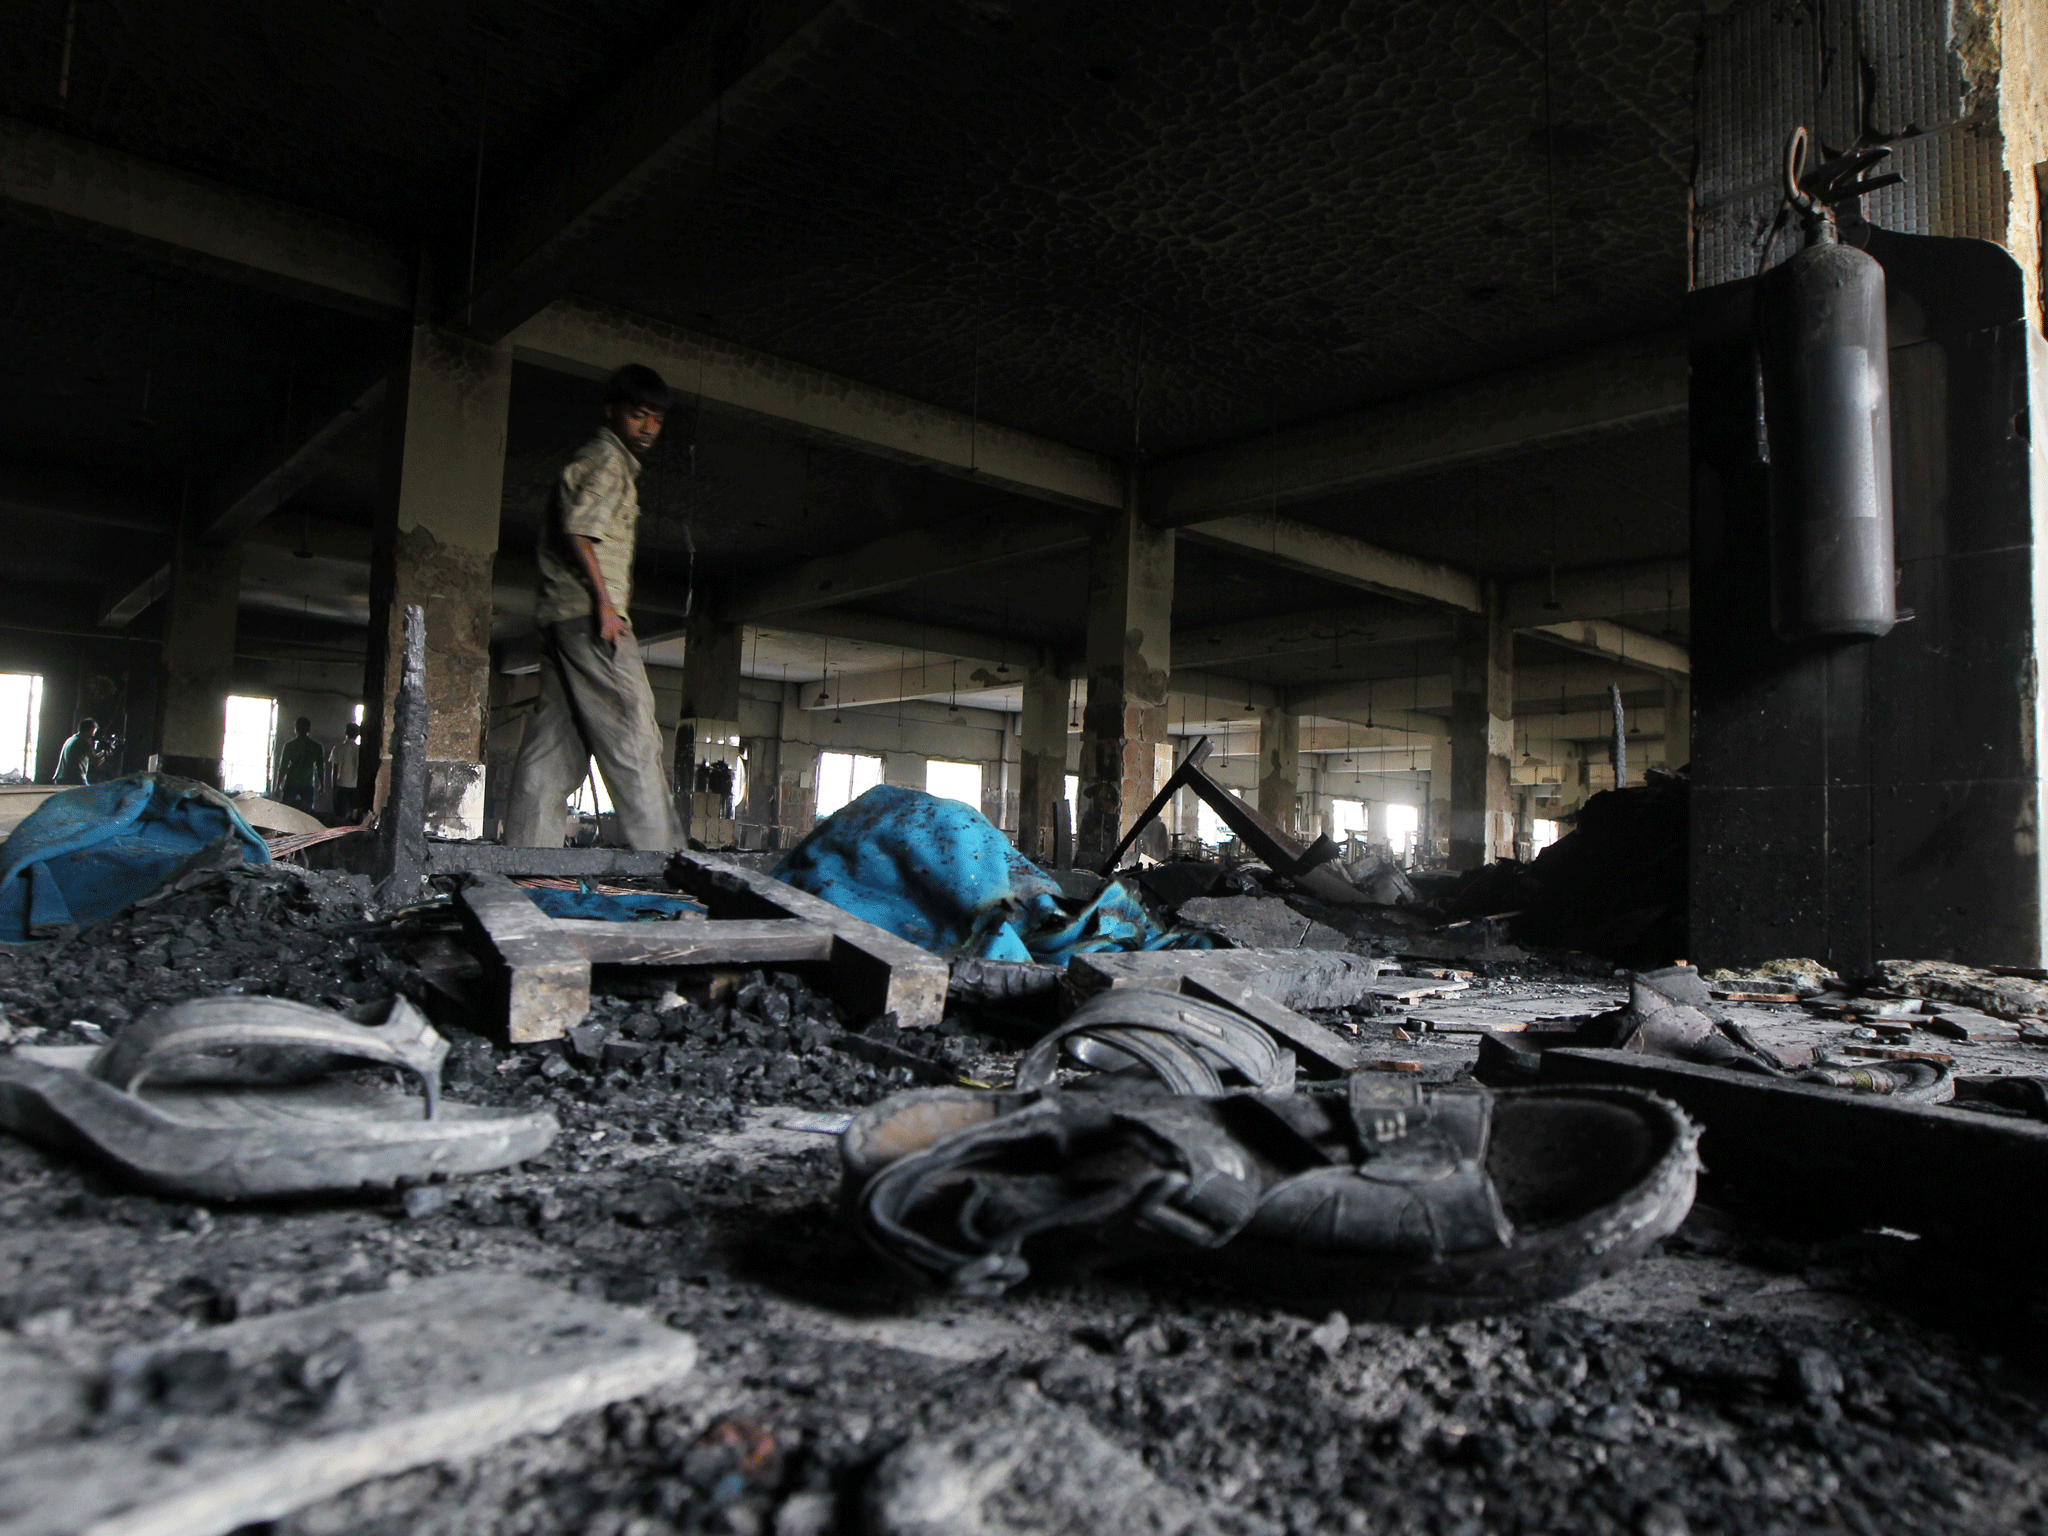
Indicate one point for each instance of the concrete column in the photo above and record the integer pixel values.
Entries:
(708, 730)
(1677, 723)
(1042, 761)
(1279, 765)
(1482, 737)
(199, 658)
(1436, 799)
(432, 546)
(1125, 754)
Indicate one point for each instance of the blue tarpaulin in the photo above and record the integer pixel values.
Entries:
(622, 907)
(87, 854)
(937, 873)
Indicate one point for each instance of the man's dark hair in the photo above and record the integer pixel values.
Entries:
(87, 723)
(636, 384)
(353, 728)
(304, 724)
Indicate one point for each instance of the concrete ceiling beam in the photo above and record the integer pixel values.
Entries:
(929, 679)
(1624, 386)
(1327, 630)
(1591, 725)
(108, 195)
(1534, 686)
(1631, 647)
(901, 560)
(1601, 592)
(978, 674)
(728, 80)
(24, 493)
(584, 339)
(1403, 722)
(1340, 558)
(249, 498)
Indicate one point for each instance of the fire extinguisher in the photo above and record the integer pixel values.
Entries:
(1825, 415)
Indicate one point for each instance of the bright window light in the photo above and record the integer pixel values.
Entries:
(1347, 819)
(1542, 834)
(844, 777)
(1404, 822)
(954, 781)
(1209, 826)
(21, 712)
(248, 745)
(1073, 800)
(356, 713)
(590, 798)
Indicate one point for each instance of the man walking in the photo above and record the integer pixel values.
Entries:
(342, 766)
(298, 768)
(594, 698)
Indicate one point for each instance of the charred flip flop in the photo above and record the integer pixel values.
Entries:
(234, 1098)
(1916, 1082)
(1184, 1043)
(1382, 1199)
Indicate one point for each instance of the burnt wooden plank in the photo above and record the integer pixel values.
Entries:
(770, 941)
(1323, 1052)
(542, 975)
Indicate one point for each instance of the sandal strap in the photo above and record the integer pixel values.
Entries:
(404, 1039)
(1167, 1033)
(1200, 1190)
(1416, 1184)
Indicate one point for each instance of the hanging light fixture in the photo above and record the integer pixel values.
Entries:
(825, 678)
(953, 696)
(1073, 709)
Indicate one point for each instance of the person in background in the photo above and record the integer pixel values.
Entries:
(298, 768)
(343, 764)
(80, 756)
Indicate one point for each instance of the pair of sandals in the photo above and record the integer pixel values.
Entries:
(1376, 1196)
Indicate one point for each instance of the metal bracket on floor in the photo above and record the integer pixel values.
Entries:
(1281, 852)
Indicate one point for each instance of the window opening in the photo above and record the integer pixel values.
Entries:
(248, 745)
(954, 781)
(21, 715)
(845, 777)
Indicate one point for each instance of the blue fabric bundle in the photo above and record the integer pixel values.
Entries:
(86, 854)
(626, 907)
(937, 873)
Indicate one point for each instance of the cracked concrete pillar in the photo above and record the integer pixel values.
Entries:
(1279, 765)
(198, 660)
(1125, 754)
(708, 731)
(432, 546)
(1482, 737)
(1041, 761)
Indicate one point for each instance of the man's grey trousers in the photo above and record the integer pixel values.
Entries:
(594, 702)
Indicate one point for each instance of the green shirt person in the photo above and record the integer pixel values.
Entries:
(298, 767)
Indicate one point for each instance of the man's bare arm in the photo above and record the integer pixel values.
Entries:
(611, 627)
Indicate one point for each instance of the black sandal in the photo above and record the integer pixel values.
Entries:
(1383, 1199)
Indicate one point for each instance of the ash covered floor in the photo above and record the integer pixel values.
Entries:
(1730, 1383)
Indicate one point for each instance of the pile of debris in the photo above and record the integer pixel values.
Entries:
(1615, 885)
(696, 1069)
